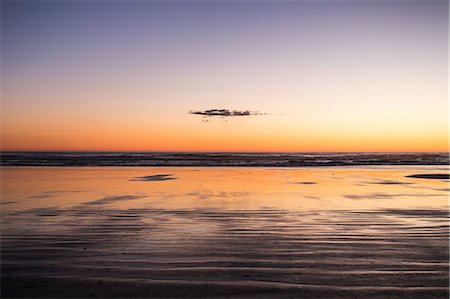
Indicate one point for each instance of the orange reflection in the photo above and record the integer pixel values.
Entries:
(223, 188)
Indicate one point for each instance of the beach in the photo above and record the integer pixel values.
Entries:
(222, 232)
(225, 149)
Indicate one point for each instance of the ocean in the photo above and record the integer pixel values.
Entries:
(218, 159)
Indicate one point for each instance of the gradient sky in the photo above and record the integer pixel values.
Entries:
(331, 76)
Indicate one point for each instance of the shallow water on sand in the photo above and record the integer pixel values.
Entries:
(338, 232)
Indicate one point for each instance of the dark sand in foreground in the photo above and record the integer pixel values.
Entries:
(125, 246)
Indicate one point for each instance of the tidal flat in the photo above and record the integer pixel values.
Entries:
(205, 232)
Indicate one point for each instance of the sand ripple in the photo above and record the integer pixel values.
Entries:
(89, 252)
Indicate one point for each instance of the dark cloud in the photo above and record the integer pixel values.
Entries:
(225, 112)
(155, 178)
(305, 183)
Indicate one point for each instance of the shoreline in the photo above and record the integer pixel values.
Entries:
(193, 232)
(287, 160)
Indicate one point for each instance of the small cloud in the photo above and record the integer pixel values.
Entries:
(155, 178)
(305, 183)
(225, 112)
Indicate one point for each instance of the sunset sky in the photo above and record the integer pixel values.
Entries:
(316, 76)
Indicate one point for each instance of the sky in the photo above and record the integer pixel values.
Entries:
(141, 75)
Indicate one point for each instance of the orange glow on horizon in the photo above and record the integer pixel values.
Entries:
(202, 142)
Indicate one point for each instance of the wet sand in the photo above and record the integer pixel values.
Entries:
(224, 233)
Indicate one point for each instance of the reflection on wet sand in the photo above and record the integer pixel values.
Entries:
(430, 176)
(155, 178)
(224, 233)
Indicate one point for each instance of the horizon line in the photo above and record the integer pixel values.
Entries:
(207, 152)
